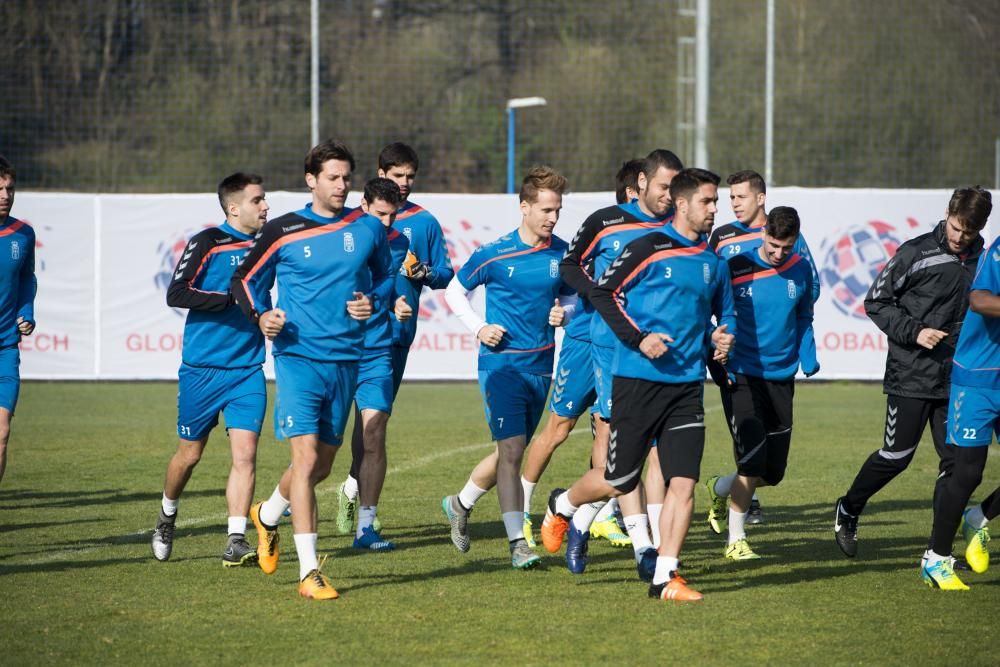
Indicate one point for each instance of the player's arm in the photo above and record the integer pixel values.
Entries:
(27, 288)
(255, 274)
(573, 267)
(473, 274)
(802, 248)
(985, 295)
(882, 302)
(608, 294)
(568, 303)
(182, 293)
(440, 270)
(805, 336)
(723, 336)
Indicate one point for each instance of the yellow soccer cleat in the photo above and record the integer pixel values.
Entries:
(528, 528)
(977, 555)
(609, 530)
(267, 542)
(317, 587)
(941, 575)
(718, 513)
(740, 550)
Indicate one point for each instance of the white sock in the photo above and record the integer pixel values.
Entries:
(975, 518)
(470, 495)
(637, 527)
(737, 520)
(586, 515)
(169, 506)
(664, 566)
(513, 523)
(237, 525)
(654, 522)
(305, 547)
(529, 488)
(564, 506)
(724, 484)
(934, 557)
(366, 518)
(351, 488)
(272, 508)
(607, 511)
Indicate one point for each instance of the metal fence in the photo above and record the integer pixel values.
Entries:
(141, 95)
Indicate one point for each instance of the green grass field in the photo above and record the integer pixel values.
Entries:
(78, 584)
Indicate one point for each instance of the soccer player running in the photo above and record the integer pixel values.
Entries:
(772, 291)
(376, 389)
(17, 300)
(221, 365)
(747, 197)
(600, 239)
(973, 416)
(426, 265)
(331, 264)
(919, 300)
(658, 297)
(525, 301)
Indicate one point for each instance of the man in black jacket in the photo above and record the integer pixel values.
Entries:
(919, 300)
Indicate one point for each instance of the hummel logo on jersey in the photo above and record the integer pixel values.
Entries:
(614, 221)
(224, 240)
(15, 250)
(727, 235)
(348, 242)
(291, 228)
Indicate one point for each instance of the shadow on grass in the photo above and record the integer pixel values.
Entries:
(66, 565)
(11, 527)
(14, 500)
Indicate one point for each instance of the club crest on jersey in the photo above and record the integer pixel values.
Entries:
(15, 250)
(706, 272)
(553, 268)
(408, 233)
(792, 293)
(348, 242)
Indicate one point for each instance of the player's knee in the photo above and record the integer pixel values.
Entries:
(4, 434)
(189, 455)
(622, 484)
(968, 472)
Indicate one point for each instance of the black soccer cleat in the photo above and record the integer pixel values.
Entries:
(845, 529)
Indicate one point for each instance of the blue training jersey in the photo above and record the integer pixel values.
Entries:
(216, 333)
(378, 331)
(428, 244)
(774, 313)
(318, 263)
(522, 283)
(739, 239)
(977, 355)
(599, 240)
(17, 278)
(664, 283)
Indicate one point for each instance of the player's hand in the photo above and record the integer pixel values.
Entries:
(723, 342)
(25, 327)
(272, 322)
(557, 315)
(402, 310)
(929, 338)
(413, 268)
(491, 335)
(654, 345)
(360, 308)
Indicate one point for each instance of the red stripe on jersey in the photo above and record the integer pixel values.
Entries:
(413, 210)
(14, 226)
(621, 228)
(513, 254)
(742, 237)
(656, 256)
(537, 349)
(789, 263)
(208, 255)
(392, 234)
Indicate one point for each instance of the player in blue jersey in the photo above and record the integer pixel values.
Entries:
(376, 389)
(973, 414)
(426, 265)
(658, 297)
(333, 270)
(17, 300)
(747, 197)
(599, 240)
(221, 365)
(525, 301)
(772, 290)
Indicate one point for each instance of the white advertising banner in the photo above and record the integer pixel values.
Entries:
(104, 263)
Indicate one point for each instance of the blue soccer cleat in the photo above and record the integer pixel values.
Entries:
(372, 541)
(577, 545)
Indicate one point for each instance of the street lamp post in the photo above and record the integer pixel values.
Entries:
(512, 104)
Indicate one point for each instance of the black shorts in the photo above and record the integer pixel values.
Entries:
(642, 411)
(759, 415)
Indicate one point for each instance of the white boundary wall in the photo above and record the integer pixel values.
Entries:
(104, 261)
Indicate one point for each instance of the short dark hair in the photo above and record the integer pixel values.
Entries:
(782, 223)
(972, 206)
(397, 154)
(330, 149)
(755, 180)
(384, 189)
(541, 178)
(627, 177)
(661, 157)
(235, 184)
(7, 169)
(687, 182)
